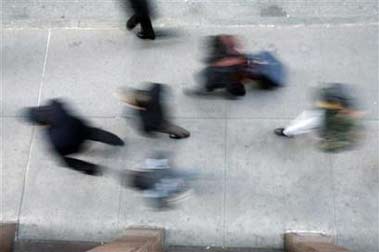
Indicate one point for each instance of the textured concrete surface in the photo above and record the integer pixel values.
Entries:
(253, 186)
(89, 13)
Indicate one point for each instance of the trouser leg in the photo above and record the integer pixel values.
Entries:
(99, 135)
(174, 131)
(146, 26)
(306, 122)
(132, 22)
(81, 166)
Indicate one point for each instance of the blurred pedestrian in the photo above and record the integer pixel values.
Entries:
(161, 185)
(151, 111)
(67, 134)
(141, 15)
(335, 118)
(224, 68)
(228, 68)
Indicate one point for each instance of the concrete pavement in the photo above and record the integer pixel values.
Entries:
(253, 187)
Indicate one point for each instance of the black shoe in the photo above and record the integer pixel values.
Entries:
(132, 23)
(280, 132)
(143, 35)
(96, 171)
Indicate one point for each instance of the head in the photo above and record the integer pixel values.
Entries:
(335, 96)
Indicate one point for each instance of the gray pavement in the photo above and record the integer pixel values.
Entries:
(253, 187)
(106, 13)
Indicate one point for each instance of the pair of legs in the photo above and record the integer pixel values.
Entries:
(94, 134)
(222, 78)
(147, 31)
(306, 122)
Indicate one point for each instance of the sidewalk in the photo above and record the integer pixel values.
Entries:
(254, 186)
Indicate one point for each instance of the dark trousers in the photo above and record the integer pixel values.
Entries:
(94, 134)
(224, 77)
(144, 21)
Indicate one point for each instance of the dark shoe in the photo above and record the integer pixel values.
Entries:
(174, 136)
(280, 132)
(96, 171)
(143, 35)
(132, 23)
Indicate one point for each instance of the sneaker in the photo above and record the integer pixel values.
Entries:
(280, 132)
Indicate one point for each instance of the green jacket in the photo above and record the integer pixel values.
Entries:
(339, 131)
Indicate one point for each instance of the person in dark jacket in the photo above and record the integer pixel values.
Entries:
(224, 67)
(67, 134)
(151, 111)
(229, 68)
(141, 15)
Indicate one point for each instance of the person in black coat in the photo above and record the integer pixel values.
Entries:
(141, 15)
(151, 112)
(67, 134)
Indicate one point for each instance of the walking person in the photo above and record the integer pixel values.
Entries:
(141, 15)
(224, 68)
(151, 112)
(335, 118)
(67, 134)
(230, 69)
(161, 185)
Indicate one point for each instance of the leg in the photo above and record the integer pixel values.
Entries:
(236, 89)
(147, 31)
(132, 22)
(306, 122)
(174, 131)
(81, 166)
(99, 135)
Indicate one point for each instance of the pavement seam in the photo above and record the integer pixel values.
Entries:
(333, 199)
(31, 143)
(225, 178)
(121, 28)
(44, 67)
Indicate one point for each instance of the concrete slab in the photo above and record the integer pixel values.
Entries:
(279, 174)
(349, 55)
(23, 54)
(99, 12)
(120, 56)
(74, 63)
(356, 186)
(290, 185)
(15, 143)
(61, 204)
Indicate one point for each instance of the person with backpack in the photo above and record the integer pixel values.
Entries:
(335, 118)
(229, 69)
(67, 134)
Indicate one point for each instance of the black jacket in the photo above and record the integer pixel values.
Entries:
(153, 115)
